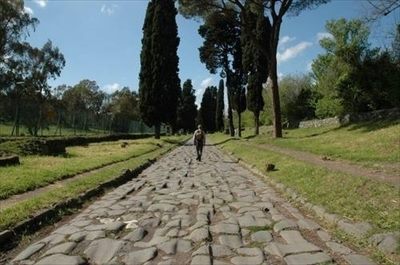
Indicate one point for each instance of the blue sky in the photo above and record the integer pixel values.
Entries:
(101, 40)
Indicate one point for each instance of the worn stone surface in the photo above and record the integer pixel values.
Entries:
(181, 211)
(355, 259)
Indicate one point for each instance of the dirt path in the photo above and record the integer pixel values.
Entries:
(336, 165)
(180, 211)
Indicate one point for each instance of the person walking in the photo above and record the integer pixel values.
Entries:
(199, 140)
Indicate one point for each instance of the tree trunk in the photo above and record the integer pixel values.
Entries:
(157, 130)
(256, 123)
(239, 124)
(16, 120)
(73, 123)
(276, 106)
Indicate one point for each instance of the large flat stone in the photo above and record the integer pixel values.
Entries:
(285, 224)
(261, 236)
(292, 236)
(223, 228)
(282, 250)
(358, 230)
(64, 248)
(61, 259)
(136, 235)
(338, 248)
(141, 256)
(103, 250)
(307, 259)
(355, 259)
(200, 234)
(232, 241)
(201, 260)
(29, 251)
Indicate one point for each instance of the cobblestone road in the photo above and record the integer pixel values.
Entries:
(180, 211)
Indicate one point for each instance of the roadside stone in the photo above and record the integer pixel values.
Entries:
(324, 236)
(201, 260)
(232, 241)
(136, 235)
(103, 250)
(307, 258)
(64, 248)
(62, 259)
(81, 223)
(261, 236)
(141, 256)
(387, 242)
(285, 225)
(338, 248)
(355, 259)
(358, 230)
(32, 249)
(308, 224)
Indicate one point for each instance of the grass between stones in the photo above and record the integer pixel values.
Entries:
(255, 229)
(39, 171)
(357, 198)
(22, 210)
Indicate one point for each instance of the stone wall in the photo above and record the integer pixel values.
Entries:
(386, 114)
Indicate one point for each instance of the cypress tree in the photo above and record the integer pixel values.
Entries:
(255, 62)
(220, 107)
(208, 108)
(159, 85)
(187, 111)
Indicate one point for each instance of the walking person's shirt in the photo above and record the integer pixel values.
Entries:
(199, 136)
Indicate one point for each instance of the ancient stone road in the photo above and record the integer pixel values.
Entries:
(180, 211)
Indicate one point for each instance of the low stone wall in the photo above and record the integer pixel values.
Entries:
(9, 160)
(386, 114)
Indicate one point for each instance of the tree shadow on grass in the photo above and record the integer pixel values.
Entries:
(370, 126)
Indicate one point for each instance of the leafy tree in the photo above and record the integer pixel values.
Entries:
(255, 63)
(220, 107)
(275, 11)
(396, 45)
(221, 32)
(379, 9)
(159, 85)
(187, 110)
(208, 109)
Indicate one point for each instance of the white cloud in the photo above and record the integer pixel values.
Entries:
(309, 67)
(200, 91)
(108, 9)
(111, 88)
(286, 39)
(28, 10)
(293, 51)
(41, 3)
(322, 35)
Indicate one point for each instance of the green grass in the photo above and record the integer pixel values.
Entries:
(6, 129)
(38, 171)
(22, 210)
(357, 198)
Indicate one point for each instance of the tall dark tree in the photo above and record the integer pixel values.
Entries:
(275, 11)
(187, 110)
(159, 84)
(255, 63)
(221, 33)
(220, 107)
(208, 108)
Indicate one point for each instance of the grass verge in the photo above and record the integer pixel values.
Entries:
(39, 171)
(9, 217)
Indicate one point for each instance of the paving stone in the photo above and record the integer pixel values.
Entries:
(249, 256)
(283, 250)
(162, 207)
(225, 228)
(200, 234)
(220, 251)
(338, 248)
(285, 224)
(64, 248)
(61, 259)
(29, 251)
(203, 250)
(136, 235)
(292, 236)
(53, 239)
(261, 236)
(355, 259)
(232, 241)
(249, 251)
(387, 242)
(95, 227)
(103, 250)
(141, 256)
(81, 223)
(156, 240)
(307, 259)
(67, 230)
(114, 226)
(201, 260)
(78, 237)
(95, 235)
